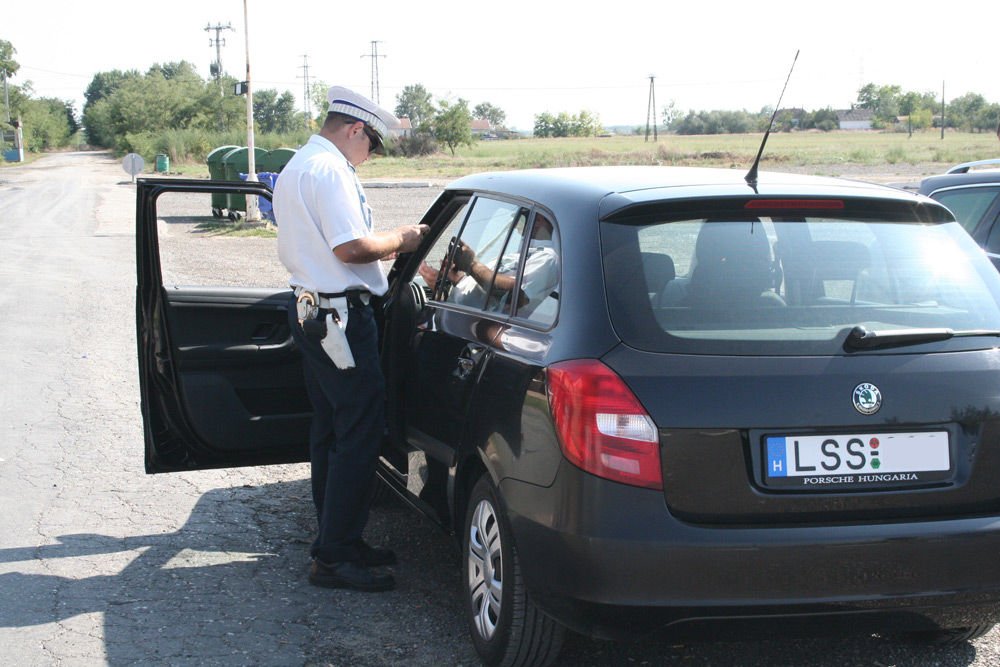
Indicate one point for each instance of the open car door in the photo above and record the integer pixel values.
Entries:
(220, 379)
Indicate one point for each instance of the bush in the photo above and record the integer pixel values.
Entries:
(413, 145)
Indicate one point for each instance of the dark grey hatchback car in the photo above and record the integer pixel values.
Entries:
(643, 399)
(972, 192)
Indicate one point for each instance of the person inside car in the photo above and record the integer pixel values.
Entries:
(471, 278)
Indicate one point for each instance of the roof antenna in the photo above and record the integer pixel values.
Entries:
(751, 177)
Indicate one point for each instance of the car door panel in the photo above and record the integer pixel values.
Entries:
(512, 407)
(220, 378)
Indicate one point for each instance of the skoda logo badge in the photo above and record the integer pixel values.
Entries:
(867, 398)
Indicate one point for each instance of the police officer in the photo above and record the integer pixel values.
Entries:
(327, 242)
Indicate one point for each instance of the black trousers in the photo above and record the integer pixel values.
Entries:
(346, 433)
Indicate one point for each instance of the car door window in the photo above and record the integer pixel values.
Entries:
(539, 287)
(968, 204)
(993, 242)
(486, 235)
(429, 275)
(504, 280)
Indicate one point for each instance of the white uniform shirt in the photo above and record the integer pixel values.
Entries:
(319, 204)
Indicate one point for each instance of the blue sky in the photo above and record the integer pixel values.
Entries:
(530, 57)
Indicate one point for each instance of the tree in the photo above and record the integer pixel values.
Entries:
(964, 111)
(8, 66)
(274, 113)
(670, 113)
(317, 95)
(883, 101)
(821, 119)
(583, 124)
(167, 97)
(494, 114)
(415, 103)
(453, 124)
(544, 123)
(586, 124)
(45, 124)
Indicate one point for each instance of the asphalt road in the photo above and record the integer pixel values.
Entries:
(102, 564)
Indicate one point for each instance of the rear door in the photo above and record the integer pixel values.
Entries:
(221, 382)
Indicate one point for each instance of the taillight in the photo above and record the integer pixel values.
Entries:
(797, 204)
(602, 427)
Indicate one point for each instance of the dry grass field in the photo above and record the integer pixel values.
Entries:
(839, 153)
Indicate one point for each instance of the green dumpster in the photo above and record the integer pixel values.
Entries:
(275, 160)
(162, 163)
(217, 172)
(234, 163)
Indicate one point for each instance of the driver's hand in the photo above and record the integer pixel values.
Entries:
(428, 273)
(464, 257)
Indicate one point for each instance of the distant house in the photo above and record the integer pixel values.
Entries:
(405, 129)
(855, 119)
(482, 128)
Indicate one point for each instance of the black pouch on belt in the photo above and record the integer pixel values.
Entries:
(315, 330)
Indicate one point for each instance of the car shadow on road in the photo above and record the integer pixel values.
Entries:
(229, 587)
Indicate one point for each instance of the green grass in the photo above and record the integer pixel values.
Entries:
(240, 228)
(802, 150)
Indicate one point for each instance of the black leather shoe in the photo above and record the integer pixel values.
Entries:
(375, 556)
(349, 574)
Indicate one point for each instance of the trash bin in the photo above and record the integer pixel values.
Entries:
(217, 172)
(276, 159)
(236, 162)
(263, 203)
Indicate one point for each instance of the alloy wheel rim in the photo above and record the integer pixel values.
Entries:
(485, 569)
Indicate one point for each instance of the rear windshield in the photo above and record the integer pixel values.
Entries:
(740, 284)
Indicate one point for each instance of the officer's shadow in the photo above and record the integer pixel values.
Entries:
(241, 550)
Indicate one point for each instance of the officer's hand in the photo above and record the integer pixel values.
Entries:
(410, 236)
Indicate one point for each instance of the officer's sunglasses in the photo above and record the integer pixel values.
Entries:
(373, 139)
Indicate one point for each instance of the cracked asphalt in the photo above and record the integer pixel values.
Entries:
(101, 564)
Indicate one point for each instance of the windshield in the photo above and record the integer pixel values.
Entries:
(739, 284)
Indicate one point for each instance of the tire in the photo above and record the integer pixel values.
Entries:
(507, 628)
(950, 636)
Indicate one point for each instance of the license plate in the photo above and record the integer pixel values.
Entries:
(856, 460)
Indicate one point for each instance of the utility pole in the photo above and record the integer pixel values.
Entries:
(942, 110)
(216, 67)
(253, 212)
(6, 97)
(374, 55)
(306, 103)
(651, 108)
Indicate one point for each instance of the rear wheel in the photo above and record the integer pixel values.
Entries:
(506, 627)
(950, 636)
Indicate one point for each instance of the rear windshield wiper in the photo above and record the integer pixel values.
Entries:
(861, 338)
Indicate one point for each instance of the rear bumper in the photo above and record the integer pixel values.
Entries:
(609, 560)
